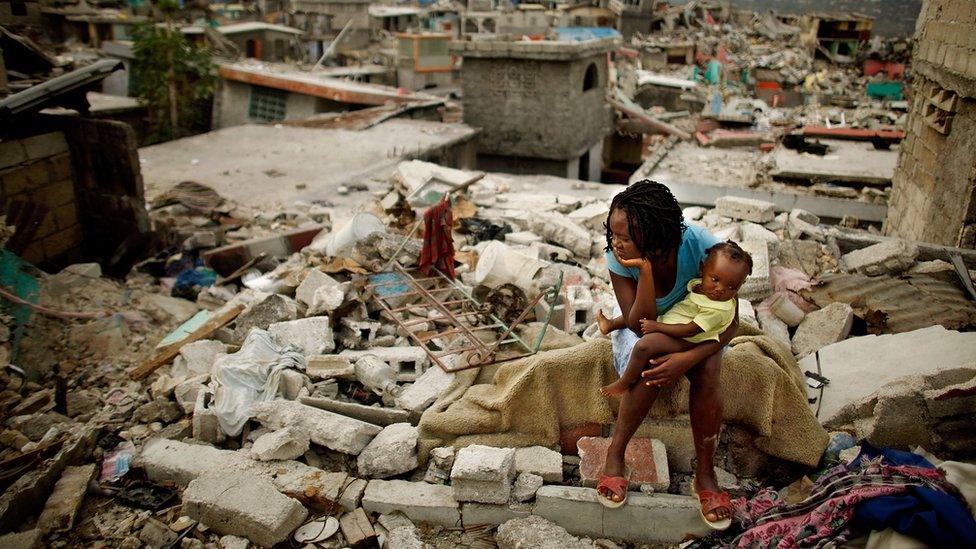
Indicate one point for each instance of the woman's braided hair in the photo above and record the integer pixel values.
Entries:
(654, 218)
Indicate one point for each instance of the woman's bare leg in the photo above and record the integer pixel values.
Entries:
(706, 422)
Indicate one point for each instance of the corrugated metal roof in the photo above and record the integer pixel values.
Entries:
(894, 305)
(47, 93)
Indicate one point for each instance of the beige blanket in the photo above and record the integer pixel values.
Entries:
(528, 401)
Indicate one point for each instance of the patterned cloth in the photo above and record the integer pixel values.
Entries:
(824, 518)
(438, 250)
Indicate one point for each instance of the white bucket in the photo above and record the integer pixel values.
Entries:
(359, 227)
(499, 264)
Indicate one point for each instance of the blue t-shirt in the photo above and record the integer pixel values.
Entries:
(691, 253)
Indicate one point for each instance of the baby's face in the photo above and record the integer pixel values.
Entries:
(722, 277)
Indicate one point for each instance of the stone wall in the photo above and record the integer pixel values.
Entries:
(535, 105)
(36, 175)
(933, 195)
(894, 18)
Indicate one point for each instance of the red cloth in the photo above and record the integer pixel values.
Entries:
(438, 248)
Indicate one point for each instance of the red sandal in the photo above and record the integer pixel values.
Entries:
(708, 502)
(617, 486)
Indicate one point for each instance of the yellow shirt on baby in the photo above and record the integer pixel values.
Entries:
(712, 316)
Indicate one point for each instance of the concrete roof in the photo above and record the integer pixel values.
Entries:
(237, 161)
(245, 26)
(393, 11)
(289, 78)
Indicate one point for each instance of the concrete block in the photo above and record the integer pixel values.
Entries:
(186, 392)
(357, 529)
(392, 452)
(748, 209)
(45, 145)
(522, 238)
(887, 257)
(646, 458)
(483, 474)
(197, 358)
(786, 310)
(525, 487)
(329, 366)
(757, 285)
(358, 334)
(63, 504)
(206, 425)
(314, 279)
(773, 326)
(12, 153)
(312, 335)
(336, 432)
(753, 231)
(592, 216)
(484, 513)
(675, 433)
(421, 502)
(352, 493)
(233, 542)
(538, 533)
(747, 314)
(823, 327)
(655, 518)
(234, 504)
(541, 461)
(579, 308)
(562, 231)
(409, 362)
(804, 215)
(272, 309)
(425, 390)
(287, 443)
(576, 509)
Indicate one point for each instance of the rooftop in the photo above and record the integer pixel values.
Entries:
(244, 26)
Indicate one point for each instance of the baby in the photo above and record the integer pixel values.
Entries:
(703, 315)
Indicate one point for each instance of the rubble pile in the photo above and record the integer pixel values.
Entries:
(276, 379)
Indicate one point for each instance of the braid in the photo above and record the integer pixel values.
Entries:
(653, 218)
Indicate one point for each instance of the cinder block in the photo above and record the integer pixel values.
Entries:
(483, 474)
(14, 181)
(61, 167)
(230, 503)
(56, 194)
(757, 211)
(539, 460)
(646, 458)
(12, 153)
(419, 501)
(484, 513)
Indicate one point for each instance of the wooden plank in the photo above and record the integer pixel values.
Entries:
(169, 352)
(357, 529)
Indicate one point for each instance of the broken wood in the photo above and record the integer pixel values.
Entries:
(357, 529)
(169, 352)
(658, 125)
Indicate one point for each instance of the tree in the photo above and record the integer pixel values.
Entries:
(173, 77)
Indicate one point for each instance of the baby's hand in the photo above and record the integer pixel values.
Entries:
(647, 326)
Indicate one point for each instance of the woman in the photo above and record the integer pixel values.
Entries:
(652, 255)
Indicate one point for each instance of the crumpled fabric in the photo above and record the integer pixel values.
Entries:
(252, 374)
(438, 250)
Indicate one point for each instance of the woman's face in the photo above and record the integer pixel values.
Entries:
(623, 245)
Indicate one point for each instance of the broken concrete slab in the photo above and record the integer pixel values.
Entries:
(357, 529)
(197, 358)
(861, 365)
(421, 502)
(171, 461)
(787, 311)
(483, 474)
(888, 257)
(314, 279)
(562, 231)
(525, 487)
(329, 367)
(233, 542)
(418, 396)
(774, 327)
(272, 309)
(352, 493)
(287, 443)
(358, 334)
(757, 285)
(312, 335)
(485, 513)
(334, 431)
(541, 461)
(748, 209)
(205, 423)
(392, 452)
(409, 362)
(159, 409)
(538, 533)
(822, 327)
(646, 458)
(377, 415)
(233, 504)
(66, 499)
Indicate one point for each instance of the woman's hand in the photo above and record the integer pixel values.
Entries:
(640, 262)
(666, 369)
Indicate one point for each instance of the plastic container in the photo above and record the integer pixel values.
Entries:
(498, 264)
(359, 227)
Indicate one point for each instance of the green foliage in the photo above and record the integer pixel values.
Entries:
(175, 79)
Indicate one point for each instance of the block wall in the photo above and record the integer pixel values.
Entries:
(36, 174)
(933, 196)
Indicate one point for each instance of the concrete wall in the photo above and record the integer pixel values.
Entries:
(32, 15)
(892, 17)
(232, 101)
(535, 107)
(934, 187)
(37, 172)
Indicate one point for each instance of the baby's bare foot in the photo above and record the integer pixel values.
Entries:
(603, 323)
(616, 388)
